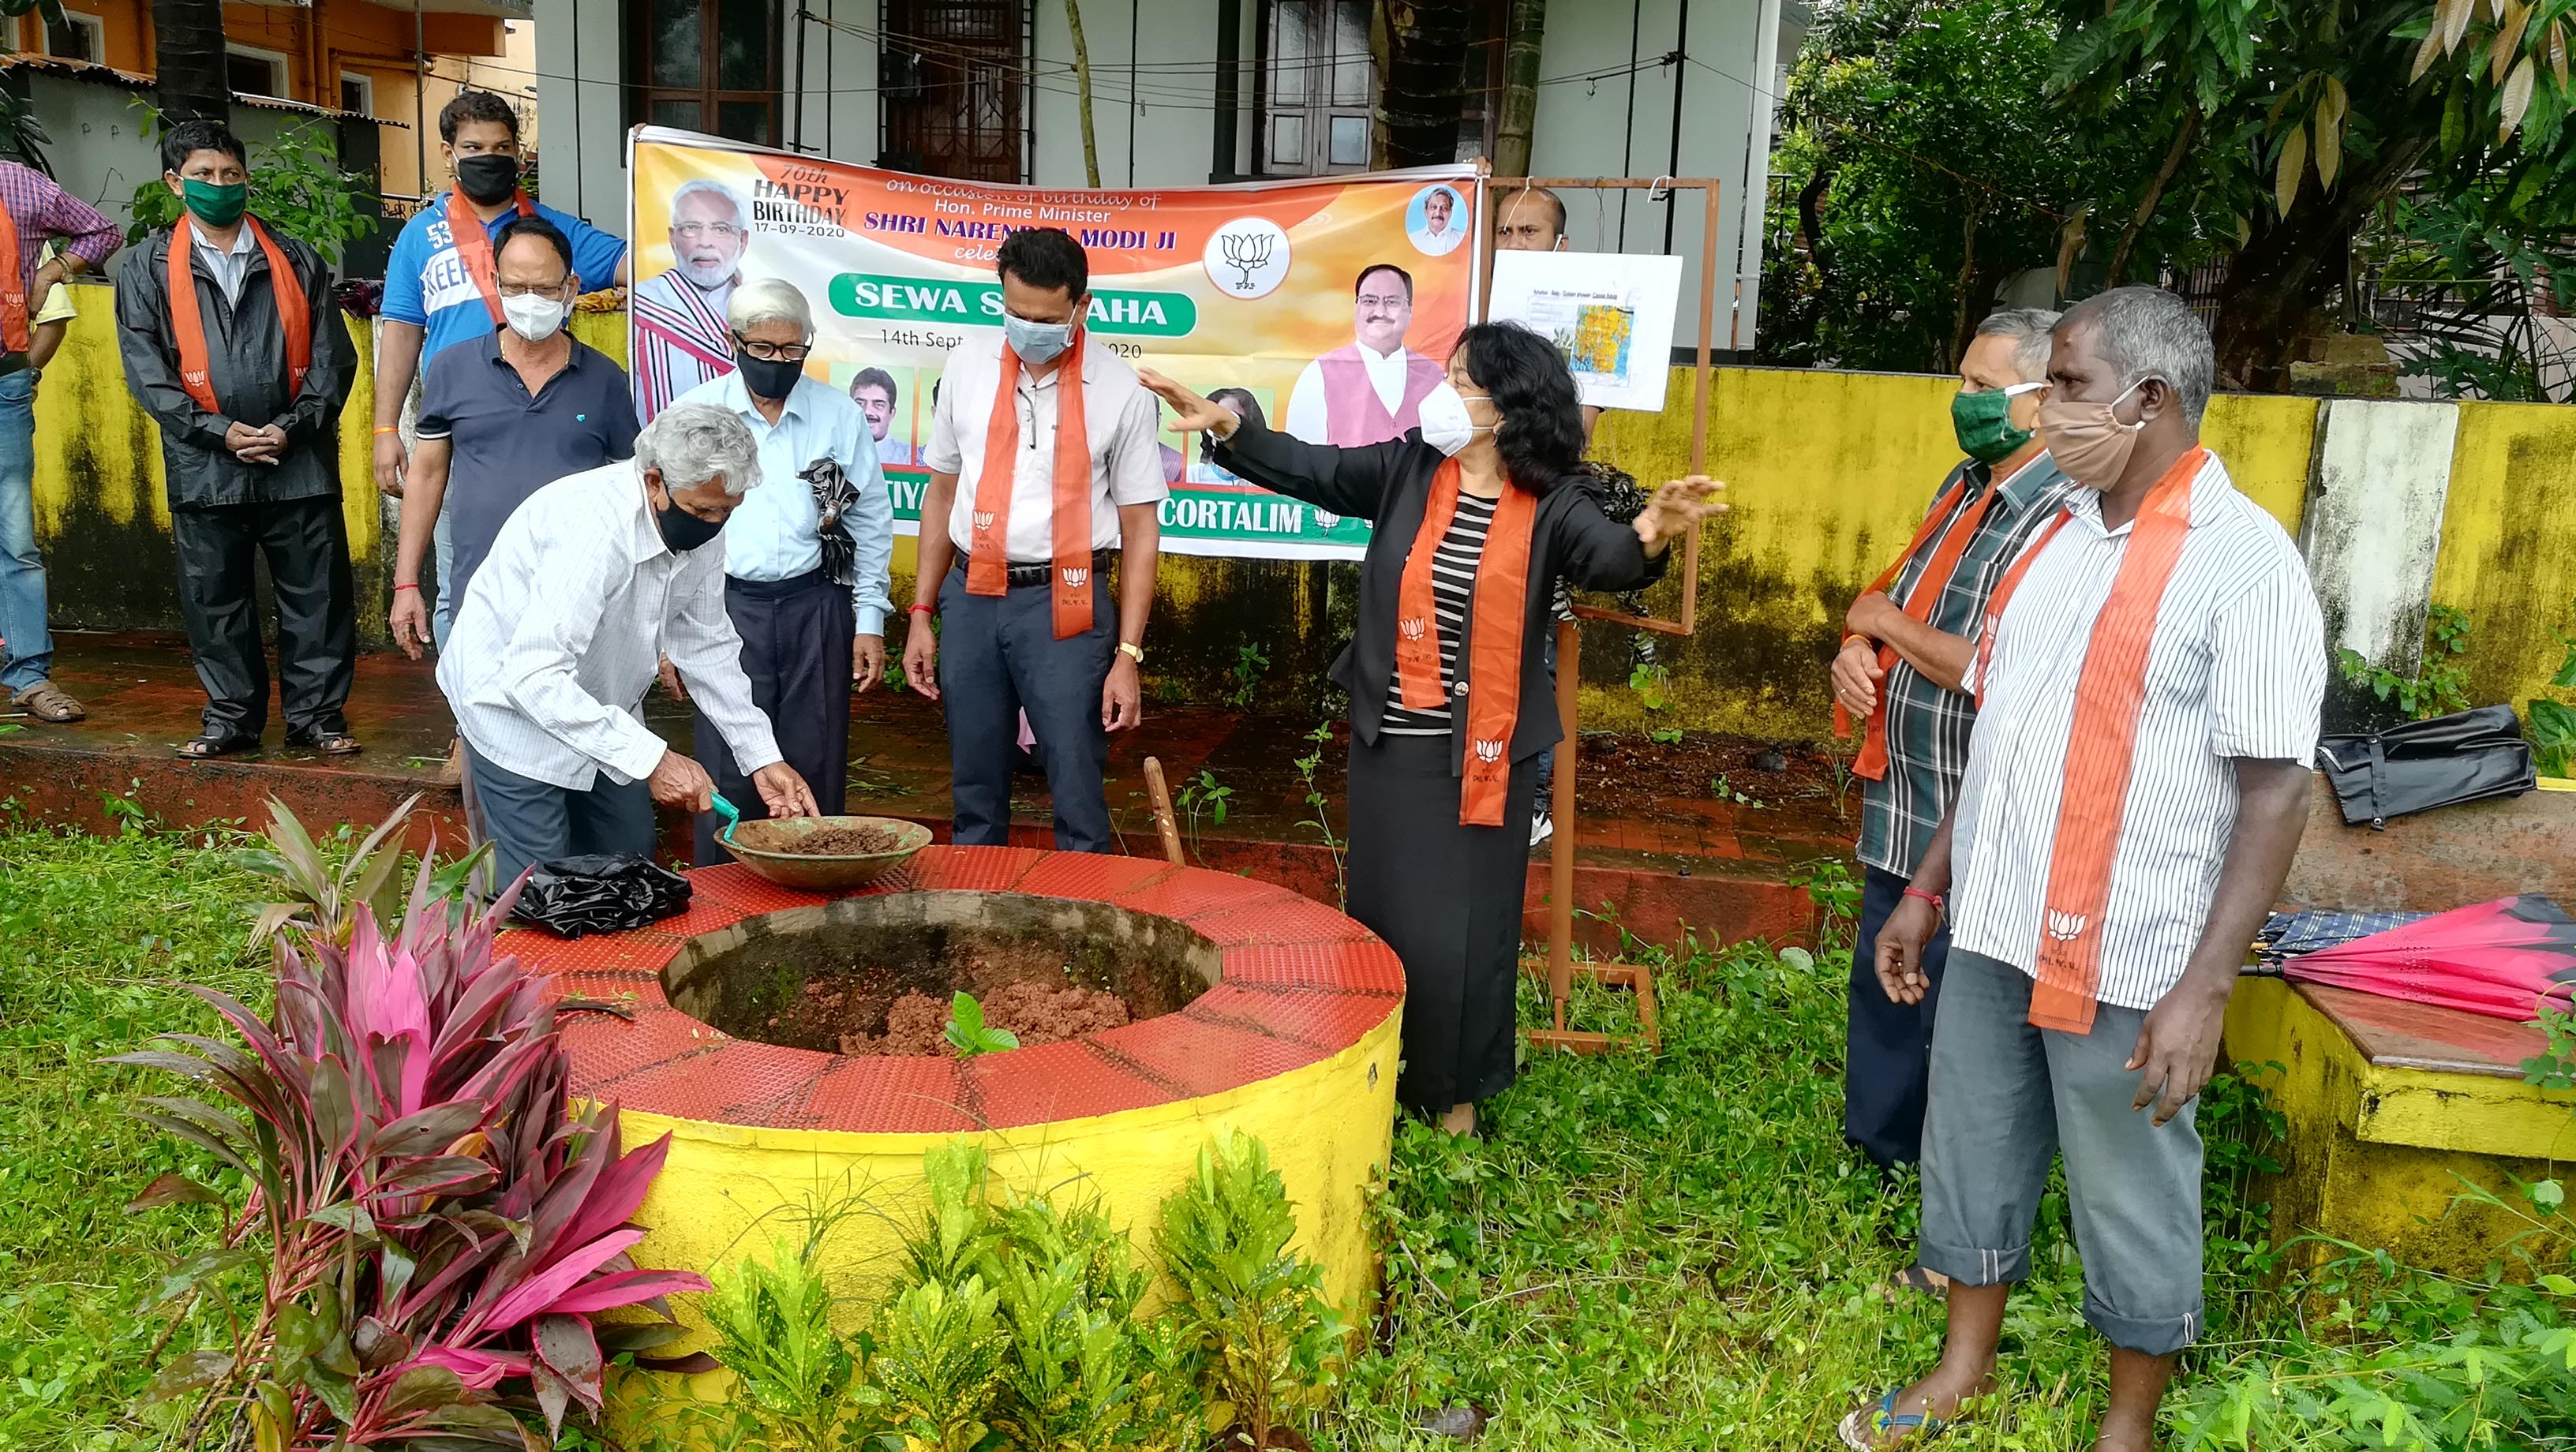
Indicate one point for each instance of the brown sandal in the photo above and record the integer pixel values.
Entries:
(328, 743)
(208, 747)
(49, 702)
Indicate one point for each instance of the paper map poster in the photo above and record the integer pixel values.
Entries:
(1610, 314)
(1290, 297)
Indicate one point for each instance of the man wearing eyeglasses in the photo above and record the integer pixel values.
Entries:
(1371, 389)
(680, 337)
(502, 417)
(805, 556)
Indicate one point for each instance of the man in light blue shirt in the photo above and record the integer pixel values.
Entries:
(806, 556)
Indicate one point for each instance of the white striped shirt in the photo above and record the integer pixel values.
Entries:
(2236, 669)
(562, 627)
(1453, 589)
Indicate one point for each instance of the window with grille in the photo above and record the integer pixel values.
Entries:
(951, 79)
(710, 65)
(75, 36)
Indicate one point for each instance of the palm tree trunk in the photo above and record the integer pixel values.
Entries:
(1421, 100)
(1082, 84)
(1520, 88)
(188, 60)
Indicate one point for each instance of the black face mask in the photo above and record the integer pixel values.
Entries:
(770, 378)
(680, 529)
(488, 177)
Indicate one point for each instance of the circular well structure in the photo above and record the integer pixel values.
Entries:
(1253, 1009)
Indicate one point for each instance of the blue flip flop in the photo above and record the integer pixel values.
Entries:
(1862, 1429)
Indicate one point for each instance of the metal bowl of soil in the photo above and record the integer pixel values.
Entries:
(826, 854)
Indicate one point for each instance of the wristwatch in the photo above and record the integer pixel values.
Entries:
(1135, 653)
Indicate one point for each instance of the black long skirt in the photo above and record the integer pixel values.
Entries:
(796, 637)
(1448, 899)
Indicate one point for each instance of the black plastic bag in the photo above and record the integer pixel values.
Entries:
(601, 893)
(2469, 756)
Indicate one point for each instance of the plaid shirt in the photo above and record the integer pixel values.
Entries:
(1928, 727)
(44, 212)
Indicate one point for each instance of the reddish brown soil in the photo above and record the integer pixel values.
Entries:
(833, 842)
(1634, 776)
(917, 1024)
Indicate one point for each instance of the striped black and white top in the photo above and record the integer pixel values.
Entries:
(1453, 582)
(2236, 668)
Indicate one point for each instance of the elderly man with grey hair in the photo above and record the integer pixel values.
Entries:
(558, 637)
(2149, 675)
(806, 557)
(680, 313)
(1907, 643)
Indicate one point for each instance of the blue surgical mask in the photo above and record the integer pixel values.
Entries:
(1036, 343)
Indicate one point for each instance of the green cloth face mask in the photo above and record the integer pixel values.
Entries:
(215, 205)
(1983, 422)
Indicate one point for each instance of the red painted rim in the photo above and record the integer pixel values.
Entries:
(1300, 984)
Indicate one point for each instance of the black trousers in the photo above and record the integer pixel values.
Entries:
(998, 656)
(1447, 898)
(306, 544)
(1887, 1046)
(796, 637)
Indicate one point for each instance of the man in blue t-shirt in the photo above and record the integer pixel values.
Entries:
(439, 293)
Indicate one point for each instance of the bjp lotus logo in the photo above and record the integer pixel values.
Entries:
(1410, 629)
(2065, 927)
(1325, 519)
(983, 521)
(1247, 257)
(1489, 752)
(1076, 579)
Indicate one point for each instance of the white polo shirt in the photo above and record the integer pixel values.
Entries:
(1119, 421)
(2236, 668)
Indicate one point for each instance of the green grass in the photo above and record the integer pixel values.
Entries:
(1672, 1251)
(96, 937)
(1678, 1251)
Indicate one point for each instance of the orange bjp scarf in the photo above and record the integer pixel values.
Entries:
(988, 557)
(1872, 762)
(2110, 695)
(15, 335)
(474, 246)
(1496, 615)
(294, 315)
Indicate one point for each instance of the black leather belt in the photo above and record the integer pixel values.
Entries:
(1022, 575)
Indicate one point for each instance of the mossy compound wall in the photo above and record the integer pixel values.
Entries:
(1828, 473)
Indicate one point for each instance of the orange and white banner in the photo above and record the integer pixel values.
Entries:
(1329, 305)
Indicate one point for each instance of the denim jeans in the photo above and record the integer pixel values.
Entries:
(28, 653)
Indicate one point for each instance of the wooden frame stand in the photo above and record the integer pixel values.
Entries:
(1559, 967)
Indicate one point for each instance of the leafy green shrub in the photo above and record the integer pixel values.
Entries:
(1274, 1347)
(2439, 685)
(796, 1377)
(935, 1351)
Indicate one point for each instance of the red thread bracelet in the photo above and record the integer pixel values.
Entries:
(1933, 898)
(398, 589)
(921, 610)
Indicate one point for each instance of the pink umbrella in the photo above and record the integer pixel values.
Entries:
(2505, 959)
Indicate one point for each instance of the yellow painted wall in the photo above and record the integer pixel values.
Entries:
(2508, 554)
(2379, 1155)
(1828, 474)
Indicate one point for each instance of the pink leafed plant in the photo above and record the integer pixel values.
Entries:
(436, 1225)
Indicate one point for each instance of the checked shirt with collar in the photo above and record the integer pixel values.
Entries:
(1928, 727)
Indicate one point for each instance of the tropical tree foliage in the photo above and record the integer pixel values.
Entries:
(1934, 148)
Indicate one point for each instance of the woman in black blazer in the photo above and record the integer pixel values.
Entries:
(1443, 762)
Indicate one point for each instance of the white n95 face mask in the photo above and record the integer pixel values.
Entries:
(1445, 424)
(534, 316)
